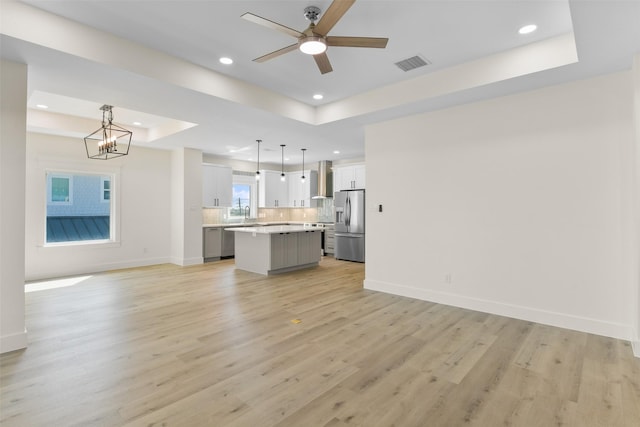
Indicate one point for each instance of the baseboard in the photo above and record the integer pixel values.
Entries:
(96, 268)
(635, 345)
(184, 262)
(13, 342)
(562, 320)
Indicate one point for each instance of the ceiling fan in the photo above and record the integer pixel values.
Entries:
(314, 40)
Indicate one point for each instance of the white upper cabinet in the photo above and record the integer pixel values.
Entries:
(300, 194)
(348, 177)
(217, 183)
(272, 192)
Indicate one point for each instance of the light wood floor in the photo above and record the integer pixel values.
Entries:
(213, 346)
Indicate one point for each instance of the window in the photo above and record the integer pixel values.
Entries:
(105, 188)
(244, 196)
(78, 208)
(241, 199)
(60, 189)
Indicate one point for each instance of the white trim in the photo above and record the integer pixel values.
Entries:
(635, 345)
(561, 320)
(184, 262)
(13, 342)
(103, 179)
(105, 243)
(68, 270)
(65, 167)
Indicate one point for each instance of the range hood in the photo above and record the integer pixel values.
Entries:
(325, 180)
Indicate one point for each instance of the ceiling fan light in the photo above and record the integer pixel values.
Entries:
(313, 45)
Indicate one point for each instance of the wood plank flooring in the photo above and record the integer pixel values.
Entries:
(210, 345)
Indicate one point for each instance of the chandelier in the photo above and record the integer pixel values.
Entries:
(110, 140)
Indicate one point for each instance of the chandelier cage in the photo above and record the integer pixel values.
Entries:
(110, 141)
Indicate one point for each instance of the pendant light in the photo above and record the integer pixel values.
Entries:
(282, 177)
(303, 177)
(110, 140)
(258, 167)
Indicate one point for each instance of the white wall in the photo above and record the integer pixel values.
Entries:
(523, 200)
(13, 116)
(635, 253)
(186, 206)
(142, 208)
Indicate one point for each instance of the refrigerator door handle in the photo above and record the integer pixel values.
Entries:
(348, 216)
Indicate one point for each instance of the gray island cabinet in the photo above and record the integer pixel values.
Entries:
(276, 249)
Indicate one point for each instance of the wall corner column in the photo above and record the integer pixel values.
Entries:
(13, 136)
(186, 206)
(635, 195)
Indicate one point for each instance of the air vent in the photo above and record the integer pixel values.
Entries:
(412, 63)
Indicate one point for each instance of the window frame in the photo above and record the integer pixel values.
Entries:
(242, 179)
(104, 179)
(55, 168)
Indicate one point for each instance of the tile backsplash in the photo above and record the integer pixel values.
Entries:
(213, 215)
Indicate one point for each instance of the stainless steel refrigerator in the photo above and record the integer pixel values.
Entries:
(349, 234)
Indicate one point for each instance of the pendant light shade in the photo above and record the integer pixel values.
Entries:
(282, 177)
(258, 166)
(110, 140)
(303, 179)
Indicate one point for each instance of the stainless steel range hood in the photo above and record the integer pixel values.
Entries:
(325, 180)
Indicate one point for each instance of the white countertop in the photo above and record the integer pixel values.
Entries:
(267, 224)
(247, 224)
(272, 229)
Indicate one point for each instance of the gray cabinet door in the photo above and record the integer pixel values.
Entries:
(284, 250)
(212, 242)
(309, 247)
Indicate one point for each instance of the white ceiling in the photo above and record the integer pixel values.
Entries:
(162, 69)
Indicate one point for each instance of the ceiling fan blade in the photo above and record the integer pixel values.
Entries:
(276, 53)
(270, 24)
(323, 63)
(332, 16)
(379, 42)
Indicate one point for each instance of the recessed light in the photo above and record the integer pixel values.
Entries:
(527, 29)
(137, 123)
(42, 106)
(318, 96)
(226, 61)
(336, 152)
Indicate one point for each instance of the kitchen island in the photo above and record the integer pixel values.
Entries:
(276, 249)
